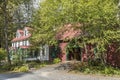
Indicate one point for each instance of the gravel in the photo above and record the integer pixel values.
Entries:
(51, 73)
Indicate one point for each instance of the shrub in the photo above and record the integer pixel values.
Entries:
(56, 60)
(95, 62)
(21, 68)
(36, 64)
(87, 70)
(80, 66)
(95, 69)
(32, 64)
(2, 54)
(6, 67)
(16, 69)
(43, 64)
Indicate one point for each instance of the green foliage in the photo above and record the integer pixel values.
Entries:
(2, 54)
(16, 59)
(99, 24)
(80, 66)
(33, 64)
(23, 68)
(36, 65)
(96, 17)
(95, 62)
(111, 71)
(5, 67)
(56, 60)
(93, 69)
(43, 64)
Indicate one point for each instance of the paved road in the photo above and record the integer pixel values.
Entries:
(49, 73)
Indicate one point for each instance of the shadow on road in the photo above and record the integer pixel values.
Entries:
(7, 76)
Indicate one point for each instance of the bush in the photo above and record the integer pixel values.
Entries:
(36, 64)
(81, 66)
(31, 64)
(95, 62)
(6, 67)
(2, 54)
(24, 69)
(21, 68)
(56, 60)
(94, 69)
(43, 64)
(87, 70)
(111, 71)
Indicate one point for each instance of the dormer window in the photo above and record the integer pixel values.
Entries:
(17, 35)
(25, 32)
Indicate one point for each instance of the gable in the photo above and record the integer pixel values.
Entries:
(68, 31)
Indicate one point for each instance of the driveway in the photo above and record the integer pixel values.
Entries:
(50, 73)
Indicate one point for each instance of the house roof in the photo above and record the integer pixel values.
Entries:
(20, 31)
(68, 31)
(24, 47)
(28, 28)
(21, 38)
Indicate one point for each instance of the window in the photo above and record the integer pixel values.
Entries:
(24, 43)
(43, 52)
(17, 44)
(12, 45)
(17, 35)
(27, 43)
(21, 43)
(25, 32)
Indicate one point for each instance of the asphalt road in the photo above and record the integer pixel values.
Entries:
(50, 73)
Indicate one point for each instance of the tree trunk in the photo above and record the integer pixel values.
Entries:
(6, 29)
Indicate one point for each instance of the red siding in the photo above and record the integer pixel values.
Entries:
(89, 54)
(63, 51)
(113, 55)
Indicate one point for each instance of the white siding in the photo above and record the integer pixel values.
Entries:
(17, 44)
(21, 43)
(26, 32)
(17, 35)
(27, 43)
(12, 45)
(24, 43)
(44, 56)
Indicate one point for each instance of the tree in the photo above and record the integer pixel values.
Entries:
(5, 29)
(23, 13)
(7, 8)
(54, 13)
(98, 19)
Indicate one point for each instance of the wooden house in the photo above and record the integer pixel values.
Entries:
(21, 47)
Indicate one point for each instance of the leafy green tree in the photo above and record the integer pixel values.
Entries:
(97, 17)
(7, 8)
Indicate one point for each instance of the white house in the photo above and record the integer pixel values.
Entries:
(21, 39)
(21, 45)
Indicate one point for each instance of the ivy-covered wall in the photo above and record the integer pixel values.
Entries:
(113, 55)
